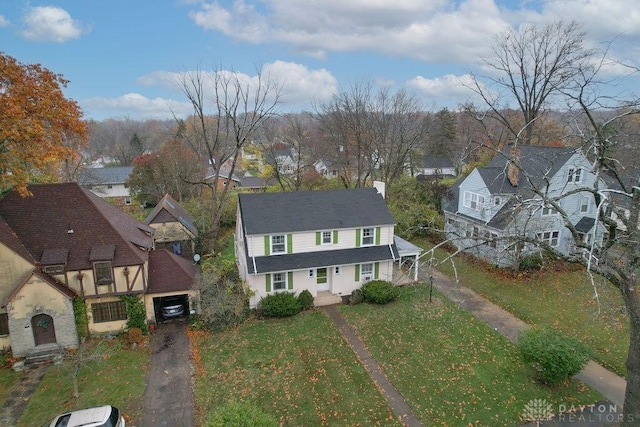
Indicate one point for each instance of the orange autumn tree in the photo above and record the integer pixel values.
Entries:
(40, 129)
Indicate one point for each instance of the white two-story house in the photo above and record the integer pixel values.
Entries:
(322, 241)
(514, 196)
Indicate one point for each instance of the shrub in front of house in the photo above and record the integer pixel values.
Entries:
(530, 262)
(553, 356)
(281, 304)
(379, 292)
(235, 414)
(305, 299)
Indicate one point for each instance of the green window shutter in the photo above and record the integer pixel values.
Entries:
(335, 237)
(290, 280)
(357, 272)
(267, 279)
(358, 231)
(267, 245)
(318, 236)
(377, 235)
(289, 243)
(376, 270)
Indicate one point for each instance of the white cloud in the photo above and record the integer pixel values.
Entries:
(439, 30)
(136, 106)
(50, 23)
(448, 90)
(4, 22)
(299, 84)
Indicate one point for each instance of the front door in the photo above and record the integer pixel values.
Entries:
(322, 280)
(43, 330)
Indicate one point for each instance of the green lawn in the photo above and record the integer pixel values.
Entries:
(560, 296)
(298, 369)
(7, 378)
(452, 368)
(118, 379)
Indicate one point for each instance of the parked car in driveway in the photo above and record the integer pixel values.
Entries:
(171, 311)
(99, 416)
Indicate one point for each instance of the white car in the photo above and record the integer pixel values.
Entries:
(100, 416)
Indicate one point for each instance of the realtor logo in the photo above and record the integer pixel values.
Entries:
(537, 410)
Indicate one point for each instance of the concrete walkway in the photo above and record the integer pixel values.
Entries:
(19, 396)
(397, 403)
(609, 384)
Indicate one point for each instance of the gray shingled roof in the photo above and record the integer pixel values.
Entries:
(101, 176)
(429, 161)
(265, 213)
(175, 211)
(536, 162)
(299, 261)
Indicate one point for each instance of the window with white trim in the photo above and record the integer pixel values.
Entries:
(278, 244)
(550, 237)
(366, 272)
(279, 281)
(327, 237)
(575, 175)
(473, 201)
(367, 236)
(584, 204)
(548, 211)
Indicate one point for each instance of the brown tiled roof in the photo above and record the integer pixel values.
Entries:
(169, 272)
(66, 216)
(9, 238)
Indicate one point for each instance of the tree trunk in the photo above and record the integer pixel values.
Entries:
(632, 394)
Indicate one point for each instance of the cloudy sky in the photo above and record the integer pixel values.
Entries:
(122, 56)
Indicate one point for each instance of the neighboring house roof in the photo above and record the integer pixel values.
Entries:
(168, 210)
(585, 224)
(222, 173)
(253, 182)
(537, 163)
(265, 213)
(102, 176)
(69, 293)
(169, 272)
(269, 264)
(59, 217)
(436, 162)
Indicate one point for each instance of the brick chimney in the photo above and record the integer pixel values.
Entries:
(513, 173)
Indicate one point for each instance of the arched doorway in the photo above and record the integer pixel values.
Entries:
(43, 329)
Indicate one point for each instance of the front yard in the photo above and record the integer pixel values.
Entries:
(561, 296)
(118, 378)
(451, 368)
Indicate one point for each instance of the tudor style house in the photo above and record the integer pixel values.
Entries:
(174, 227)
(327, 242)
(63, 242)
(496, 203)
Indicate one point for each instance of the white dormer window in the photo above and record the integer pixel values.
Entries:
(327, 237)
(575, 175)
(584, 205)
(473, 201)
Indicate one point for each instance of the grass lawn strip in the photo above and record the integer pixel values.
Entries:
(117, 379)
(8, 378)
(560, 296)
(298, 369)
(450, 367)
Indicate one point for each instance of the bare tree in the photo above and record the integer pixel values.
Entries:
(530, 67)
(553, 62)
(228, 110)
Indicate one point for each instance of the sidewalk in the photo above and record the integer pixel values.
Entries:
(609, 384)
(396, 402)
(19, 397)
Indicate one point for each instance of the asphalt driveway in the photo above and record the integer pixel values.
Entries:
(168, 399)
